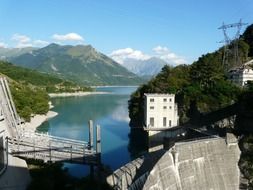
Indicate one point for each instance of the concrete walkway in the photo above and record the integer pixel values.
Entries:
(16, 176)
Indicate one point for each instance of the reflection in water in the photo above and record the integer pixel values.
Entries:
(121, 114)
(108, 110)
(138, 142)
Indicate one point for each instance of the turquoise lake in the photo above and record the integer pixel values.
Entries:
(110, 111)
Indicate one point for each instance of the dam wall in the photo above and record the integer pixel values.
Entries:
(201, 164)
(210, 163)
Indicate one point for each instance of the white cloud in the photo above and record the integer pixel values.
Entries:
(68, 37)
(40, 43)
(160, 49)
(21, 38)
(3, 45)
(165, 54)
(22, 41)
(121, 55)
(23, 45)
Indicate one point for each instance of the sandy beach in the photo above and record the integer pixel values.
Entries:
(68, 94)
(37, 120)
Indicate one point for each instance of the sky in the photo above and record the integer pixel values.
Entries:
(177, 31)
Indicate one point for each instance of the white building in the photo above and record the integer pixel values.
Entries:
(160, 111)
(241, 75)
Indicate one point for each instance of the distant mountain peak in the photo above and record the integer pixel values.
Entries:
(79, 63)
(52, 45)
(149, 67)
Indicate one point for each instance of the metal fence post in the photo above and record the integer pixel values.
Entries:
(91, 147)
(70, 152)
(7, 151)
(50, 156)
(98, 151)
(33, 148)
(90, 134)
(98, 144)
(18, 142)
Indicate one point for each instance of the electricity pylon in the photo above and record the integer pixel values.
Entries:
(231, 41)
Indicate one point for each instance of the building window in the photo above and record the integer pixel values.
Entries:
(170, 100)
(164, 107)
(170, 123)
(170, 107)
(165, 100)
(164, 121)
(152, 121)
(152, 107)
(152, 99)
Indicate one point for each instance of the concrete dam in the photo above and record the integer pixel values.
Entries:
(210, 163)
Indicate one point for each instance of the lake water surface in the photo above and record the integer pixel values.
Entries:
(110, 111)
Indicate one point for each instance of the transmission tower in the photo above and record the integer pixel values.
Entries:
(231, 41)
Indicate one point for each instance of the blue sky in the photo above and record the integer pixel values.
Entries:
(176, 31)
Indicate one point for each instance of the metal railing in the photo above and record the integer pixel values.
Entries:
(28, 144)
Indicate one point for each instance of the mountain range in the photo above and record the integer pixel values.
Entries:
(82, 64)
(149, 67)
(6, 53)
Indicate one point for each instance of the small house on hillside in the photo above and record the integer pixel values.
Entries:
(160, 111)
(241, 75)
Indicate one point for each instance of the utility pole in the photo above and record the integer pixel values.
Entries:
(91, 147)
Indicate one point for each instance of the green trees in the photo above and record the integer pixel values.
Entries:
(45, 81)
(248, 38)
(203, 83)
(169, 80)
(29, 101)
(207, 71)
(29, 89)
(208, 79)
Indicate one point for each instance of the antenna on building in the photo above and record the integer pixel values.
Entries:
(231, 41)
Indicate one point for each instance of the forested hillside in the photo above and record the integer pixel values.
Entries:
(199, 87)
(29, 100)
(203, 87)
(43, 80)
(29, 88)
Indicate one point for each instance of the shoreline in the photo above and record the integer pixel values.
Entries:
(116, 86)
(69, 94)
(37, 120)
